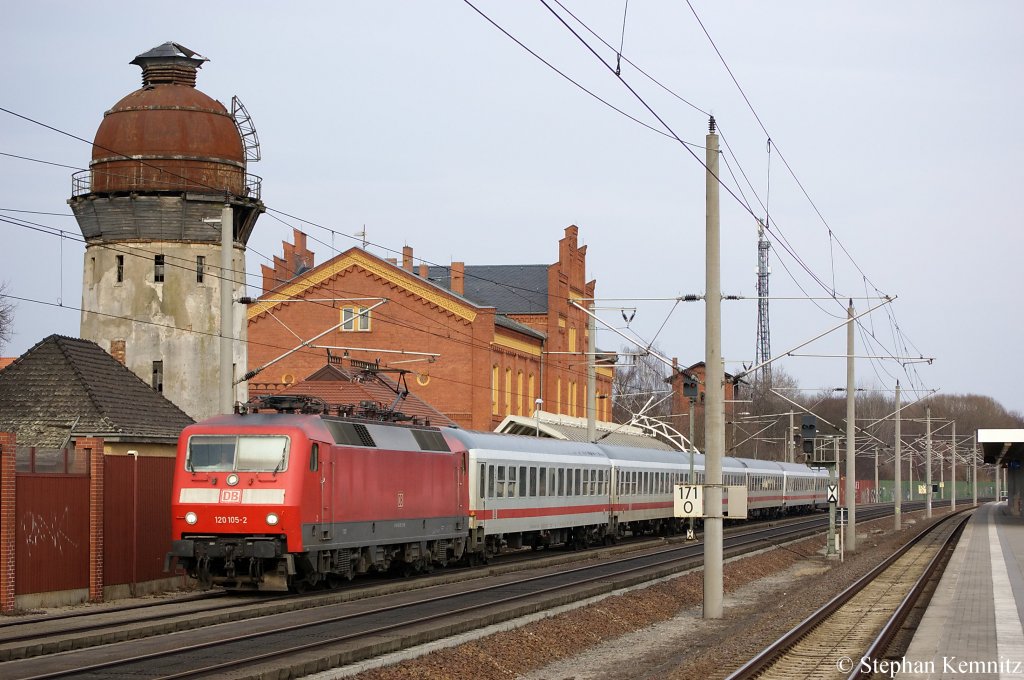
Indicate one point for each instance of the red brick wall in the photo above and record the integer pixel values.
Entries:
(7, 518)
(458, 383)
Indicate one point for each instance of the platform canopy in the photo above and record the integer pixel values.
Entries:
(1003, 447)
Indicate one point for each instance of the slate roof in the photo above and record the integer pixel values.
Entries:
(509, 288)
(512, 324)
(65, 386)
(340, 385)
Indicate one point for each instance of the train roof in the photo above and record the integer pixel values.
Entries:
(632, 454)
(340, 430)
(523, 443)
(756, 465)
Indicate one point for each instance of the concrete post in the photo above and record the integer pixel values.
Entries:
(714, 398)
(928, 469)
(974, 468)
(952, 471)
(591, 376)
(878, 495)
(227, 240)
(897, 471)
(851, 440)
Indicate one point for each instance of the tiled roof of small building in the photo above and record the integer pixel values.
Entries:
(64, 387)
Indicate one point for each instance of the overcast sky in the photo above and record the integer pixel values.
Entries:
(428, 125)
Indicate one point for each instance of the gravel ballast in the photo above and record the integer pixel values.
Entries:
(658, 631)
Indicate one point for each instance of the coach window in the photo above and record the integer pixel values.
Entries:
(511, 481)
(586, 482)
(543, 490)
(533, 482)
(522, 481)
(561, 481)
(490, 481)
(577, 479)
(501, 481)
(551, 481)
(314, 458)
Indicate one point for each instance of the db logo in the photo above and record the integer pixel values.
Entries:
(401, 499)
(230, 495)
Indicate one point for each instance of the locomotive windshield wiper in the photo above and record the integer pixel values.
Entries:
(280, 464)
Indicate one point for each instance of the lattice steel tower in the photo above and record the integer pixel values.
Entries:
(764, 343)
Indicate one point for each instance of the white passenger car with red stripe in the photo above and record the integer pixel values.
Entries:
(533, 492)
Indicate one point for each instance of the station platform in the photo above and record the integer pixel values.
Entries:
(972, 627)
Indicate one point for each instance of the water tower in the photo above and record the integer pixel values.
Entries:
(166, 160)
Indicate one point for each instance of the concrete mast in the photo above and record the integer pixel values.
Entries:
(851, 438)
(714, 398)
(897, 472)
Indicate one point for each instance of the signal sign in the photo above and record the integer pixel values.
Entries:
(833, 493)
(688, 500)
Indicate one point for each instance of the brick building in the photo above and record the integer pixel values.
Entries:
(484, 341)
(681, 403)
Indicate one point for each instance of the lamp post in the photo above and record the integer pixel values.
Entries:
(537, 403)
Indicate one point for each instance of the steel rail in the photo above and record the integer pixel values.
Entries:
(892, 626)
(778, 649)
(685, 554)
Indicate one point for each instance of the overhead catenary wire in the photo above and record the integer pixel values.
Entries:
(898, 336)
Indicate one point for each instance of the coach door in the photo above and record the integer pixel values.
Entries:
(326, 465)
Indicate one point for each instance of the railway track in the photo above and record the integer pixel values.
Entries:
(352, 621)
(37, 635)
(302, 641)
(860, 622)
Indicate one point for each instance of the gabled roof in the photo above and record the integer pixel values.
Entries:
(509, 288)
(338, 385)
(355, 257)
(64, 387)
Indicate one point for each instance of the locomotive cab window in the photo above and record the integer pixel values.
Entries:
(214, 453)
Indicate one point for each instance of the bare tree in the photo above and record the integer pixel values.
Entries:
(637, 381)
(6, 316)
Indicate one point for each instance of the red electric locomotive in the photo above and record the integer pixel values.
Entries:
(273, 501)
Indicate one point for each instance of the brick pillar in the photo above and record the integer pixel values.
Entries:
(8, 442)
(93, 448)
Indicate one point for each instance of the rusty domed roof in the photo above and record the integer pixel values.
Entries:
(168, 136)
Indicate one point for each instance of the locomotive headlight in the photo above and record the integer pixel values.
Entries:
(272, 519)
(191, 518)
(232, 479)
